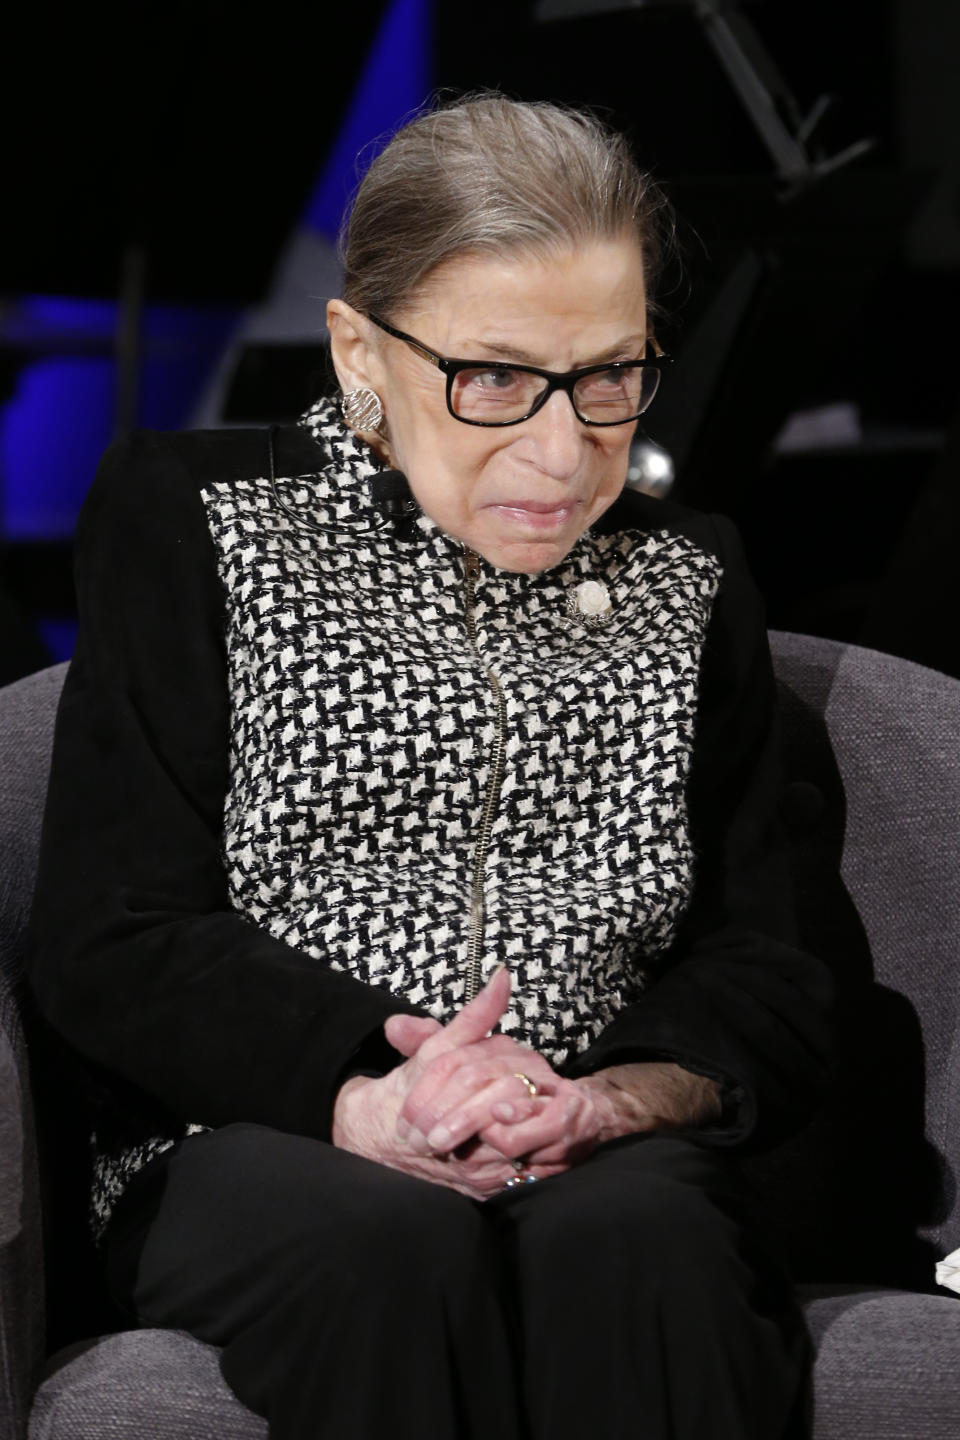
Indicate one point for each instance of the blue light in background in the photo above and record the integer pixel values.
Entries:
(52, 434)
(397, 80)
(60, 638)
(60, 319)
(60, 418)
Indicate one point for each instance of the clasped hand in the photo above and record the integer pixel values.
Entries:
(457, 1111)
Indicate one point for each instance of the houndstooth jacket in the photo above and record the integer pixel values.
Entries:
(315, 764)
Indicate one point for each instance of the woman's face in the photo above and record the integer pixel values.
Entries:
(519, 495)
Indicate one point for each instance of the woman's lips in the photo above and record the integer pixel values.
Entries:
(535, 514)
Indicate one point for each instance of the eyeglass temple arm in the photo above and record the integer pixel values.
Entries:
(429, 355)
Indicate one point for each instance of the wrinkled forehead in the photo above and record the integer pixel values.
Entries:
(511, 301)
(490, 272)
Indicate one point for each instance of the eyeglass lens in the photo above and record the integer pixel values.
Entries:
(494, 396)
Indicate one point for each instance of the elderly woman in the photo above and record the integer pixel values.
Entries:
(410, 886)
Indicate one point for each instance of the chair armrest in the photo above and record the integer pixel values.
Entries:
(22, 1337)
(27, 710)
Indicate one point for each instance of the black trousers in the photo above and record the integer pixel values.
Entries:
(628, 1299)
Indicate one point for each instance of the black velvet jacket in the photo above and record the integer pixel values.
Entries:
(189, 1011)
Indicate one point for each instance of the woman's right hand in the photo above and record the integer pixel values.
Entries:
(367, 1111)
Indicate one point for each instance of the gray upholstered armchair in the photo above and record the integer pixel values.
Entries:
(865, 1200)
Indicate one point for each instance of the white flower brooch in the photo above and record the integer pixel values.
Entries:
(589, 604)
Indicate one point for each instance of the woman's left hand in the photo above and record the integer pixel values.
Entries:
(629, 1100)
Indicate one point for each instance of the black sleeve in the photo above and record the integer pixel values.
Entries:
(736, 999)
(138, 958)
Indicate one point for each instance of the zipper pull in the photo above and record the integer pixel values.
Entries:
(471, 561)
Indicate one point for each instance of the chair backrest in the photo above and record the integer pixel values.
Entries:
(872, 804)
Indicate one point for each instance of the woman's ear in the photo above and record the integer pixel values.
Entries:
(351, 348)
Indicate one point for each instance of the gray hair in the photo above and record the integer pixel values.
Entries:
(486, 174)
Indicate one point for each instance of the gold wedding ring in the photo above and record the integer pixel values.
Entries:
(519, 1165)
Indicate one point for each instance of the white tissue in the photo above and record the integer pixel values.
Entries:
(948, 1271)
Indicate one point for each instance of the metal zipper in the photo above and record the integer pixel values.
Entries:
(494, 783)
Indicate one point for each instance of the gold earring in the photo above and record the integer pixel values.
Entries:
(362, 409)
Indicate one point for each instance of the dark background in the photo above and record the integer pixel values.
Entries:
(184, 142)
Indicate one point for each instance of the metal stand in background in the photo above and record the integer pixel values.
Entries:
(751, 70)
(791, 257)
(129, 346)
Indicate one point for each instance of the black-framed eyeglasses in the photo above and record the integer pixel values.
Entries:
(491, 392)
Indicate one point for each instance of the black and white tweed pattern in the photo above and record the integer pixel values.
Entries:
(362, 729)
(361, 750)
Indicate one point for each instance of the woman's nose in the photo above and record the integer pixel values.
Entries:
(559, 437)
